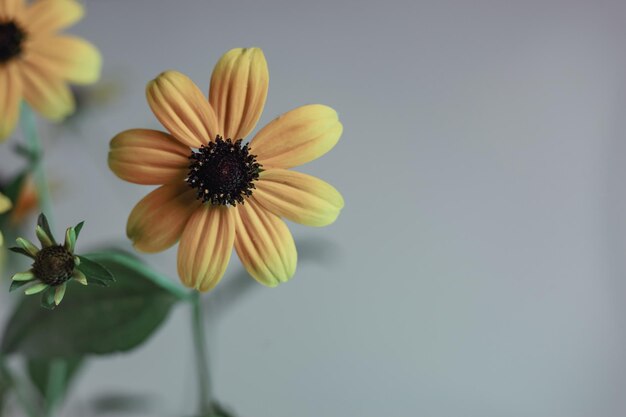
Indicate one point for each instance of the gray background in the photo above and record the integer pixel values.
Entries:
(477, 268)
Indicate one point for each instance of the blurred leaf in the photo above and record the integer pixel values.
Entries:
(39, 373)
(91, 319)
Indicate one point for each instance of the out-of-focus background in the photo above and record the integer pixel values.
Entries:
(477, 268)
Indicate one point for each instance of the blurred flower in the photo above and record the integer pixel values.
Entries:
(54, 265)
(208, 173)
(26, 202)
(36, 63)
(5, 205)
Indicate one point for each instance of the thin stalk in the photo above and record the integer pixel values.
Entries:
(29, 128)
(21, 397)
(205, 405)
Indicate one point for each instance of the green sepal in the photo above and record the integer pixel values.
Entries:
(47, 298)
(42, 222)
(21, 251)
(95, 272)
(18, 284)
(78, 228)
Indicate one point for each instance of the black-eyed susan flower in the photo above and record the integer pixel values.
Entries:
(5, 205)
(54, 265)
(36, 63)
(217, 191)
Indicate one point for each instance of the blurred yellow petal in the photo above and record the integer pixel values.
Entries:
(264, 244)
(46, 93)
(297, 137)
(10, 97)
(149, 157)
(46, 16)
(206, 246)
(182, 108)
(67, 57)
(5, 203)
(158, 220)
(298, 197)
(10, 9)
(238, 91)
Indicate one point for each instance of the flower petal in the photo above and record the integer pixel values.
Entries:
(67, 57)
(5, 203)
(158, 220)
(182, 108)
(46, 93)
(10, 9)
(264, 244)
(46, 16)
(238, 90)
(299, 197)
(298, 136)
(206, 246)
(10, 97)
(149, 157)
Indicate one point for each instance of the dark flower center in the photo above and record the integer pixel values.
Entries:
(223, 172)
(11, 40)
(53, 265)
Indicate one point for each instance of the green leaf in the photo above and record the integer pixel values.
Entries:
(39, 371)
(95, 271)
(91, 319)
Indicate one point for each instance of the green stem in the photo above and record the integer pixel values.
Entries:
(54, 385)
(205, 405)
(29, 127)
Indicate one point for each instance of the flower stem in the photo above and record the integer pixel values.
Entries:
(29, 128)
(54, 385)
(205, 405)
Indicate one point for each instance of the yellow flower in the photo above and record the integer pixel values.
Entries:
(36, 63)
(218, 193)
(5, 205)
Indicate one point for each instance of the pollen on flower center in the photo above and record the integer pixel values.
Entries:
(11, 40)
(223, 172)
(54, 265)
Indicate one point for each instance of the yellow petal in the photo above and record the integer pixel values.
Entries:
(297, 137)
(182, 108)
(298, 197)
(149, 157)
(10, 97)
(238, 90)
(158, 220)
(206, 246)
(45, 16)
(5, 203)
(10, 9)
(46, 92)
(264, 244)
(67, 57)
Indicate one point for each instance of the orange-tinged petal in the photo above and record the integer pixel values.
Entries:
(238, 90)
(182, 108)
(264, 244)
(46, 16)
(206, 246)
(71, 58)
(10, 97)
(46, 92)
(158, 220)
(10, 9)
(149, 157)
(298, 197)
(297, 137)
